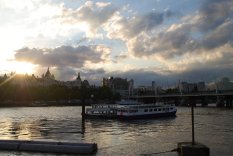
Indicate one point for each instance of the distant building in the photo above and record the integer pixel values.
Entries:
(148, 90)
(222, 85)
(185, 87)
(155, 89)
(48, 75)
(201, 86)
(122, 86)
(77, 83)
(47, 79)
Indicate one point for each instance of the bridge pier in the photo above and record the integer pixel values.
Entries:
(220, 101)
(177, 101)
(231, 100)
(204, 101)
(184, 101)
(228, 101)
(192, 102)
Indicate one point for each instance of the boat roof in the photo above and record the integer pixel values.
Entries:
(128, 102)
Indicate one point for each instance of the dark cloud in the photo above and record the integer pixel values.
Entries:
(168, 44)
(64, 55)
(144, 23)
(220, 36)
(144, 77)
(126, 28)
(207, 30)
(213, 13)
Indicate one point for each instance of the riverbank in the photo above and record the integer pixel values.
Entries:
(38, 103)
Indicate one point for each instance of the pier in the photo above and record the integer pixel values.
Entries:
(48, 146)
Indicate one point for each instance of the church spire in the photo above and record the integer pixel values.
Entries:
(48, 74)
(79, 76)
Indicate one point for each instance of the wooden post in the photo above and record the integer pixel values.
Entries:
(83, 110)
(83, 125)
(192, 148)
(192, 114)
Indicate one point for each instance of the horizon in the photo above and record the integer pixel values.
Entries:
(99, 83)
(161, 41)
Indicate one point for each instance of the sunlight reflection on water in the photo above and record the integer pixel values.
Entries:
(213, 127)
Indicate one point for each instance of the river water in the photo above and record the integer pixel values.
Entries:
(213, 127)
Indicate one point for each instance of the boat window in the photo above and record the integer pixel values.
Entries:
(159, 109)
(146, 110)
(124, 111)
(167, 108)
(150, 110)
(171, 108)
(133, 111)
(163, 109)
(155, 109)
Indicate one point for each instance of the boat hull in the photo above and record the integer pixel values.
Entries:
(131, 117)
(147, 116)
(101, 116)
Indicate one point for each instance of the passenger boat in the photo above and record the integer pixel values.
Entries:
(130, 110)
(140, 111)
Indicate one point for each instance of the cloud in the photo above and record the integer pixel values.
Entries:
(64, 55)
(176, 40)
(204, 36)
(126, 28)
(120, 57)
(93, 14)
(213, 13)
(201, 41)
(219, 36)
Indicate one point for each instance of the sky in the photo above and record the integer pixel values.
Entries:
(165, 41)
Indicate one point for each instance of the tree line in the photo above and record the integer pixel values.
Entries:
(16, 92)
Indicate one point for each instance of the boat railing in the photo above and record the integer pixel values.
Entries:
(99, 106)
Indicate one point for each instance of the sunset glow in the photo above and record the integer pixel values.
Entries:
(22, 68)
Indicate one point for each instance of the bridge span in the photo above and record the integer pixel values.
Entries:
(221, 99)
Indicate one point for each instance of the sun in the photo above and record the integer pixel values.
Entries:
(23, 68)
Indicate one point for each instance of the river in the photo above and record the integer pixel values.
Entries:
(213, 127)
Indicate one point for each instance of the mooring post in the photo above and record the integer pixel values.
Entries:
(192, 114)
(83, 126)
(192, 148)
(83, 109)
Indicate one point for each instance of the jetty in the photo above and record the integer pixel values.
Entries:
(48, 146)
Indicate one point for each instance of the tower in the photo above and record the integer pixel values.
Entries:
(78, 81)
(48, 74)
(78, 78)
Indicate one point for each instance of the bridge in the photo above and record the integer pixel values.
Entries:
(222, 99)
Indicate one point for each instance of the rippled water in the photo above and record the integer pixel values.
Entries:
(213, 127)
